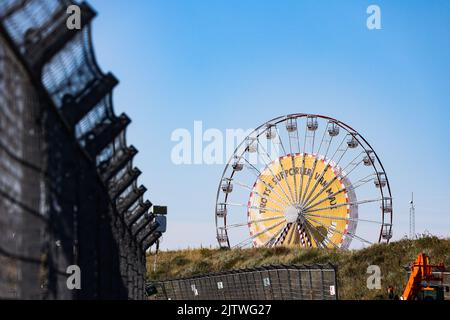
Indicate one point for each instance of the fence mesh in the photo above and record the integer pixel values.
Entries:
(294, 282)
(68, 188)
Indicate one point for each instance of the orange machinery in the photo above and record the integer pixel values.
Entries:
(425, 281)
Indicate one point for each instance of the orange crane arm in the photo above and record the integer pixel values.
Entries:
(419, 270)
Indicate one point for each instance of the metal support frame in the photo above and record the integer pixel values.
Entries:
(104, 134)
(40, 50)
(138, 226)
(134, 216)
(131, 177)
(130, 199)
(147, 231)
(117, 164)
(75, 108)
(151, 240)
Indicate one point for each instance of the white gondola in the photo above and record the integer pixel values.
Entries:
(333, 129)
(369, 159)
(387, 205)
(386, 232)
(352, 142)
(380, 180)
(221, 210)
(227, 185)
(222, 238)
(291, 124)
(237, 165)
(252, 145)
(271, 132)
(311, 123)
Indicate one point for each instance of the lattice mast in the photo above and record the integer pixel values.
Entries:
(412, 218)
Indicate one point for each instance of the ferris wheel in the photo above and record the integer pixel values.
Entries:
(303, 180)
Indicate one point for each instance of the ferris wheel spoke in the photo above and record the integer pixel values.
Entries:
(339, 149)
(342, 218)
(303, 231)
(298, 195)
(322, 174)
(273, 174)
(286, 182)
(276, 237)
(243, 224)
(300, 187)
(251, 207)
(311, 234)
(258, 177)
(320, 232)
(295, 179)
(352, 235)
(313, 142)
(293, 163)
(305, 138)
(251, 167)
(275, 192)
(328, 146)
(298, 138)
(332, 133)
(343, 151)
(293, 226)
(284, 152)
(356, 203)
(269, 199)
(362, 181)
(323, 139)
(303, 164)
(307, 202)
(282, 168)
(246, 241)
(290, 142)
(310, 177)
(325, 187)
(342, 156)
(354, 163)
(312, 205)
(290, 230)
(279, 139)
(325, 236)
(327, 141)
(313, 137)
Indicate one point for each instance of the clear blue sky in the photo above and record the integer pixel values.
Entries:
(236, 64)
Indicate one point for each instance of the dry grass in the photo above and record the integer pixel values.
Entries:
(352, 265)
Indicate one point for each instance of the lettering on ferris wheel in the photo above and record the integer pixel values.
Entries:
(282, 175)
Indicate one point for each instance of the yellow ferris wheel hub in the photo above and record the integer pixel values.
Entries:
(293, 188)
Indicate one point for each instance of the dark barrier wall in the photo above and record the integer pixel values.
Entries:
(447, 283)
(68, 187)
(294, 282)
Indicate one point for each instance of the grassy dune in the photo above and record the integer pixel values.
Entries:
(352, 265)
